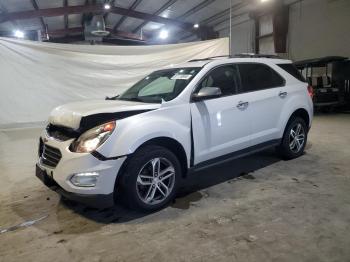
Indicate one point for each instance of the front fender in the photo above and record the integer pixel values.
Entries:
(133, 132)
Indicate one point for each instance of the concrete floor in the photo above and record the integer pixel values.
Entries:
(254, 209)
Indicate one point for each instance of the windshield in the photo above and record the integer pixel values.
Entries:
(160, 85)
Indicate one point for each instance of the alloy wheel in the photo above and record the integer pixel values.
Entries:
(155, 181)
(296, 138)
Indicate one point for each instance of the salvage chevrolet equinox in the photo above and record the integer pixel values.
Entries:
(139, 145)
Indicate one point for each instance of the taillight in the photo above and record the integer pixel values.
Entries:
(310, 90)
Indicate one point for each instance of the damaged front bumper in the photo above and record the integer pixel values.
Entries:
(57, 165)
(92, 200)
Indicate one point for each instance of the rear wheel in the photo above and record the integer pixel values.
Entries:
(151, 178)
(294, 139)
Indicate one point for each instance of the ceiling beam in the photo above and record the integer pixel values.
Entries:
(215, 17)
(67, 39)
(226, 12)
(126, 35)
(59, 11)
(121, 20)
(158, 12)
(197, 8)
(124, 42)
(66, 31)
(36, 7)
(192, 11)
(80, 38)
(80, 31)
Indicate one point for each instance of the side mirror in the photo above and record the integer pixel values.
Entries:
(207, 93)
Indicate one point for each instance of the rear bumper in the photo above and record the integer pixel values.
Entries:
(92, 200)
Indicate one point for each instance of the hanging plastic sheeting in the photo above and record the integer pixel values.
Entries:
(36, 77)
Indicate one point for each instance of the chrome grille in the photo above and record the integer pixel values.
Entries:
(50, 156)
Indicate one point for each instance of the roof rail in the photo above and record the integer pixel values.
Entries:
(252, 55)
(209, 58)
(243, 55)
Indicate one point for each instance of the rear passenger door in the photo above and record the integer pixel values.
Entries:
(265, 92)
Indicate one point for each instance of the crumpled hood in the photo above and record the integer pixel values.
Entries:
(71, 115)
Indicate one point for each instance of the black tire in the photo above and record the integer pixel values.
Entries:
(131, 190)
(286, 148)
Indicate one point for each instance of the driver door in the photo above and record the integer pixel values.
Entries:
(220, 125)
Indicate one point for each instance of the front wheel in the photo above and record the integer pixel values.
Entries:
(151, 178)
(294, 139)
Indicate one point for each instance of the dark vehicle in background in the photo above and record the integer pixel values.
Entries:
(341, 78)
(327, 79)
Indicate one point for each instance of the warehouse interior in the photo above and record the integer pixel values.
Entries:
(256, 208)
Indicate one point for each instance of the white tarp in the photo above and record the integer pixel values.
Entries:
(36, 77)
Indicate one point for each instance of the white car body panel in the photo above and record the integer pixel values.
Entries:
(219, 128)
(149, 125)
(265, 108)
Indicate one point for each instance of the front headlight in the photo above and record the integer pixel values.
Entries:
(93, 138)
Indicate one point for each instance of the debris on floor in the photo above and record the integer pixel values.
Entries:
(24, 224)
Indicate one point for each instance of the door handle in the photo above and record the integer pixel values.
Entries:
(282, 94)
(242, 105)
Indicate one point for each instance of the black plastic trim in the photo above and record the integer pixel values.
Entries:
(63, 133)
(95, 200)
(101, 157)
(192, 144)
(234, 155)
(88, 122)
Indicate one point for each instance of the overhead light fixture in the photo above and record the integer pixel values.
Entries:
(164, 34)
(196, 26)
(263, 1)
(166, 13)
(19, 34)
(107, 6)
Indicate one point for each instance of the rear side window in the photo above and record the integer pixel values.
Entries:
(256, 77)
(291, 69)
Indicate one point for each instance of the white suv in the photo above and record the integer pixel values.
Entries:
(140, 145)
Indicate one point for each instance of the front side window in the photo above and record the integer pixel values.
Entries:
(224, 77)
(256, 77)
(160, 85)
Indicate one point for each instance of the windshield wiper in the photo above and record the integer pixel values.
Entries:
(133, 99)
(111, 98)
